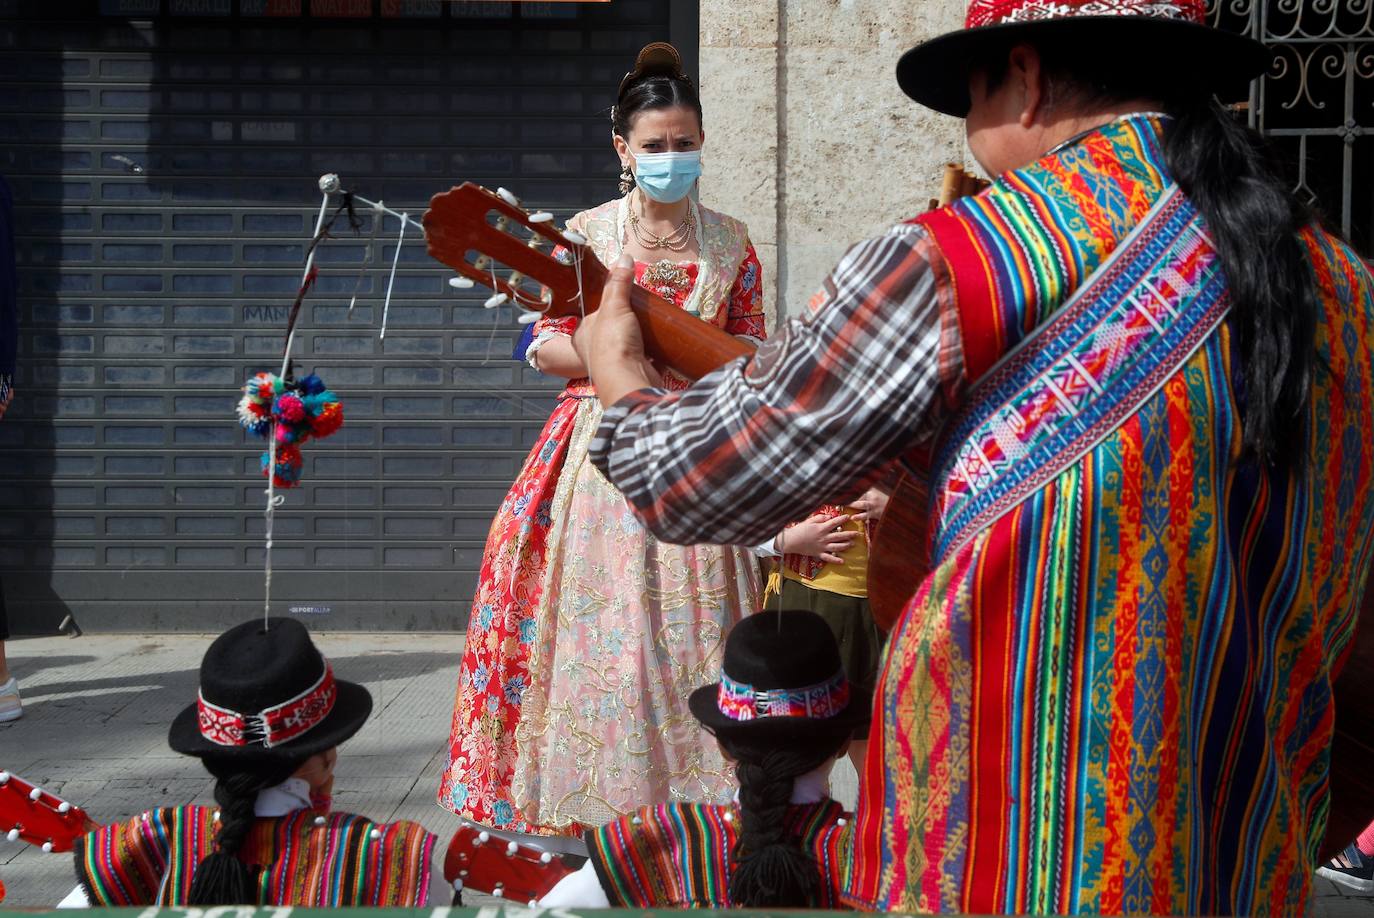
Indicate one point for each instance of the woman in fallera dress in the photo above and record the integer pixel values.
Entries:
(587, 634)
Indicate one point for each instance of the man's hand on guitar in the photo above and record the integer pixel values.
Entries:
(610, 342)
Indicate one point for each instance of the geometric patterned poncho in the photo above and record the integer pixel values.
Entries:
(149, 860)
(680, 855)
(1113, 694)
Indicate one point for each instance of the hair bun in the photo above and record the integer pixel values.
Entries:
(656, 59)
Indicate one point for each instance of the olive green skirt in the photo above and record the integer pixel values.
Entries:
(851, 621)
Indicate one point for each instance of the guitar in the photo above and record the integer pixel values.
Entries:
(29, 813)
(474, 231)
(484, 861)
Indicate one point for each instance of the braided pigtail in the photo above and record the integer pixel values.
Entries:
(221, 878)
(770, 868)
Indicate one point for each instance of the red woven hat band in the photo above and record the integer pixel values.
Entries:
(998, 12)
(273, 726)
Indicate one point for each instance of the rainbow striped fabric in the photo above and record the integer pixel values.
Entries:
(1112, 693)
(345, 861)
(678, 855)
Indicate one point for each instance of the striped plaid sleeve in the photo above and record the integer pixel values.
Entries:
(815, 412)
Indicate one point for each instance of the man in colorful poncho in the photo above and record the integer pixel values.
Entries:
(1137, 383)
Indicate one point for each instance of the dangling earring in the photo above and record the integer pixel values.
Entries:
(627, 180)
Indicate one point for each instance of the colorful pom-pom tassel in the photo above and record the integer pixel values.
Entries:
(291, 411)
(289, 408)
(329, 419)
(311, 385)
(288, 469)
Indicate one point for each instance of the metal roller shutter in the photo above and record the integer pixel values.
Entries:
(149, 296)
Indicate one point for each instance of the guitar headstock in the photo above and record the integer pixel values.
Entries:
(480, 860)
(478, 233)
(32, 814)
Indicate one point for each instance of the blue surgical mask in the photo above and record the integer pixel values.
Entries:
(667, 177)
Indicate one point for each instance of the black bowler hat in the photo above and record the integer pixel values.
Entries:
(781, 676)
(1169, 34)
(266, 693)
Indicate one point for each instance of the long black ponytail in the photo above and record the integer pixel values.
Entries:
(770, 869)
(221, 878)
(1231, 175)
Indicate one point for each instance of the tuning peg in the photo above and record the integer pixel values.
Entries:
(542, 217)
(457, 885)
(529, 318)
(496, 299)
(64, 807)
(482, 838)
(534, 903)
(36, 794)
(499, 890)
(13, 834)
(463, 873)
(4, 778)
(546, 858)
(460, 282)
(574, 237)
(511, 849)
(508, 197)
(47, 847)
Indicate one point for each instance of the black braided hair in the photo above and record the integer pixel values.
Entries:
(770, 869)
(221, 878)
(1231, 174)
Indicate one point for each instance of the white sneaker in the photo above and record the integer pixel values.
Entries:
(11, 708)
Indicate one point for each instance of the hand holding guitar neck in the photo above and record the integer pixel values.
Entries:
(610, 342)
(478, 232)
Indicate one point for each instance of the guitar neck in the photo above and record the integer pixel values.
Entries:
(470, 219)
(679, 339)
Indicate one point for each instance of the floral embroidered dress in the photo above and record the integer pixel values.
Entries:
(587, 634)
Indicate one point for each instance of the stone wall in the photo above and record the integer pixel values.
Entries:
(809, 140)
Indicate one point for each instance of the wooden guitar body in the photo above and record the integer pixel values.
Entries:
(897, 561)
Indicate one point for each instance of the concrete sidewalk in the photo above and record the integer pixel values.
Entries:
(94, 731)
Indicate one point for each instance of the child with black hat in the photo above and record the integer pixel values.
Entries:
(266, 724)
(783, 712)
